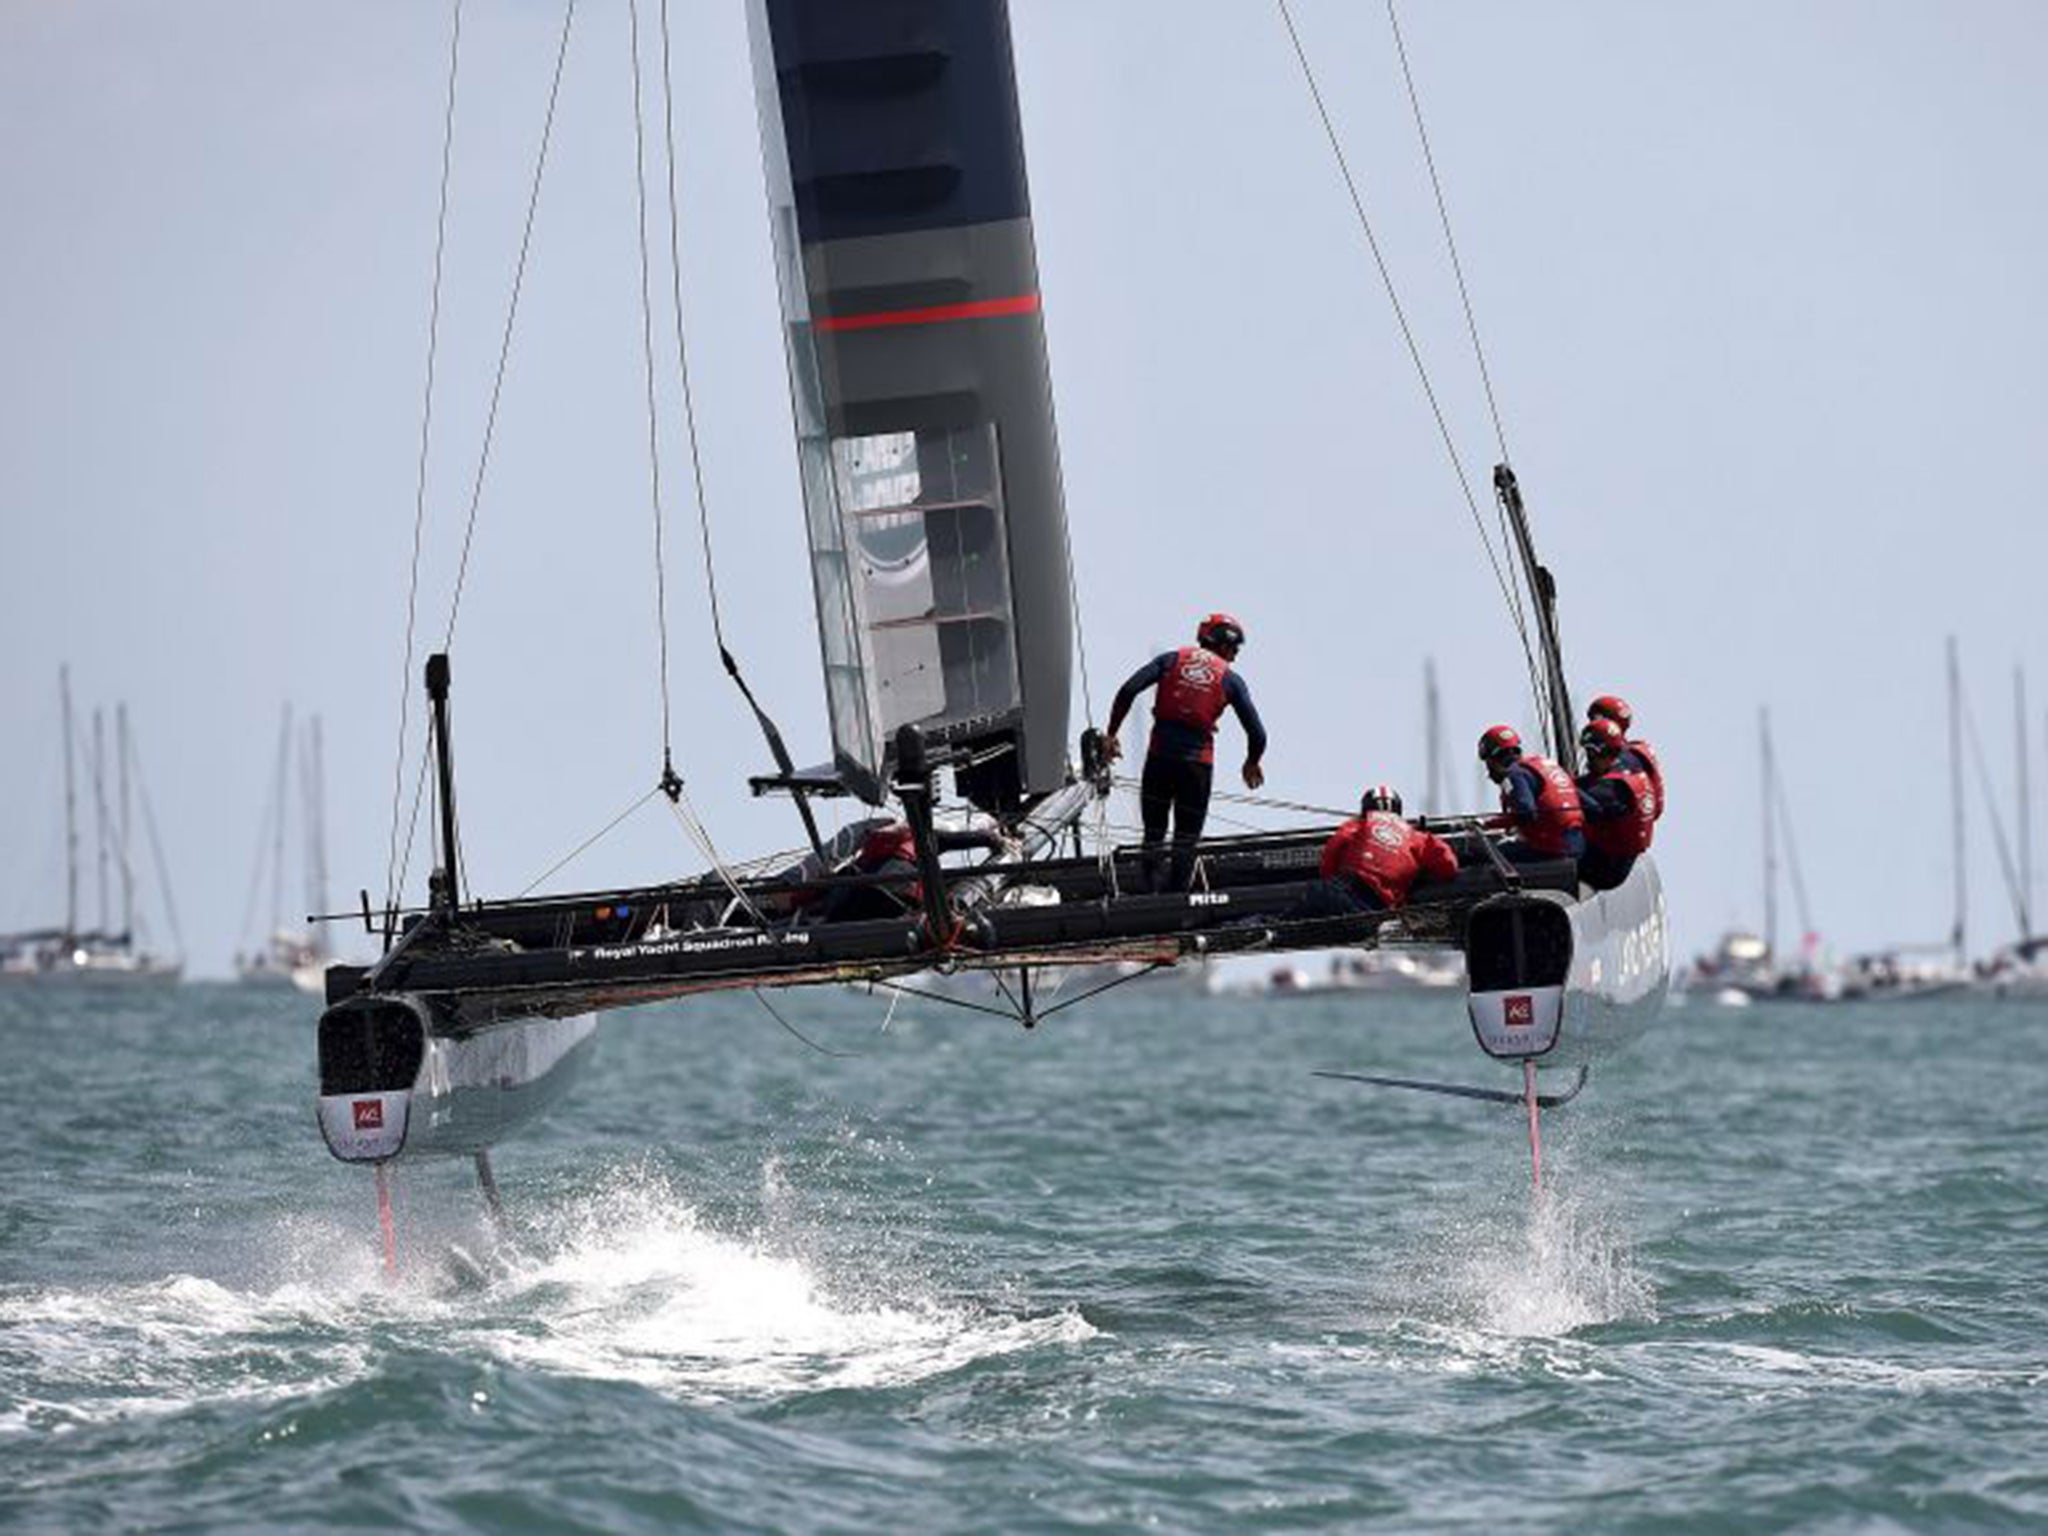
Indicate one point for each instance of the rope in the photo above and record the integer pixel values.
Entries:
(773, 736)
(1450, 242)
(822, 1050)
(585, 846)
(1998, 838)
(511, 319)
(653, 414)
(675, 262)
(1067, 541)
(1407, 332)
(392, 878)
(1261, 801)
(686, 818)
(156, 848)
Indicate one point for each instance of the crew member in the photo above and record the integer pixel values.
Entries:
(1621, 805)
(1195, 684)
(1537, 799)
(1373, 861)
(1635, 754)
(890, 848)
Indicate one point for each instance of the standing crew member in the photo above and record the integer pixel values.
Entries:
(1635, 754)
(1537, 799)
(1621, 805)
(1195, 683)
(1373, 861)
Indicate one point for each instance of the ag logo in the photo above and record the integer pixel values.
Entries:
(1519, 1011)
(1388, 833)
(1649, 802)
(1199, 669)
(368, 1113)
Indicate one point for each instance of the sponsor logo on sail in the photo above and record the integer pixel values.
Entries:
(368, 1113)
(1519, 1011)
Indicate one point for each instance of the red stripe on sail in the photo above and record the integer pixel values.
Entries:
(978, 309)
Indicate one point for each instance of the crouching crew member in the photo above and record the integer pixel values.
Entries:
(1635, 754)
(1538, 800)
(1373, 861)
(891, 849)
(1621, 805)
(1196, 683)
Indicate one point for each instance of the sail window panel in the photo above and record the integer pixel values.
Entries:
(849, 699)
(930, 576)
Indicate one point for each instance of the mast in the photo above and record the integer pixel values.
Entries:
(1554, 698)
(1955, 788)
(313, 796)
(1770, 786)
(1433, 731)
(99, 805)
(284, 759)
(2026, 830)
(70, 815)
(127, 826)
(449, 898)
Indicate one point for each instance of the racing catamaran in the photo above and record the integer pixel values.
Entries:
(946, 618)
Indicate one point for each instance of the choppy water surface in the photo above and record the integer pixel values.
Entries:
(1137, 1268)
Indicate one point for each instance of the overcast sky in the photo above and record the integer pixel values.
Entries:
(1760, 284)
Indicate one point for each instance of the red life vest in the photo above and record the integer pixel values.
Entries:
(1382, 851)
(1654, 769)
(1626, 836)
(893, 844)
(885, 845)
(1191, 693)
(1558, 811)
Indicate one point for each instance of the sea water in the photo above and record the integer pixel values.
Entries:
(1137, 1268)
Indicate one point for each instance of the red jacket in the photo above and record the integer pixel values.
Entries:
(1191, 693)
(1623, 837)
(1383, 852)
(1648, 757)
(1558, 812)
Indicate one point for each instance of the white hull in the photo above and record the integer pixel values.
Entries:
(1576, 991)
(391, 1084)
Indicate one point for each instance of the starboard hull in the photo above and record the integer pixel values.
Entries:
(1568, 979)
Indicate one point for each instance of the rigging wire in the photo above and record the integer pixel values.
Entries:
(585, 846)
(1263, 802)
(694, 829)
(1500, 577)
(1806, 928)
(822, 1050)
(392, 877)
(675, 265)
(653, 413)
(156, 846)
(1450, 241)
(769, 731)
(511, 319)
(1052, 408)
(1999, 841)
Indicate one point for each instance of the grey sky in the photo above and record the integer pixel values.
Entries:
(1760, 284)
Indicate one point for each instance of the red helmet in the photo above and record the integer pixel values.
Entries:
(1611, 706)
(1218, 632)
(1602, 738)
(1381, 797)
(1501, 743)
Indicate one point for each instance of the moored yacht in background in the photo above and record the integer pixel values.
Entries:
(115, 950)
